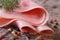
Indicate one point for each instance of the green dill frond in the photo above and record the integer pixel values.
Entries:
(9, 4)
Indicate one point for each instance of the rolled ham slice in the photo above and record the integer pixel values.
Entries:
(45, 30)
(26, 27)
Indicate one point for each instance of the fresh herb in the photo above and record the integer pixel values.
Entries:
(0, 3)
(9, 4)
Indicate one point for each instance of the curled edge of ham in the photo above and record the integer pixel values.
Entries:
(45, 30)
(24, 25)
(41, 29)
(6, 21)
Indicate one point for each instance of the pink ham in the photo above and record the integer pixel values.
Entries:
(34, 12)
(28, 11)
(45, 30)
(27, 15)
(5, 21)
(26, 27)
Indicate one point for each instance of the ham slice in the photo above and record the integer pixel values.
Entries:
(28, 11)
(26, 27)
(34, 12)
(5, 21)
(45, 30)
(28, 14)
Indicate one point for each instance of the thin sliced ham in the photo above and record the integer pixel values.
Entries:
(5, 21)
(26, 27)
(45, 30)
(28, 14)
(31, 13)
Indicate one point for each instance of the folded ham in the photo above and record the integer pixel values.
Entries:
(6, 21)
(28, 11)
(45, 30)
(26, 27)
(27, 15)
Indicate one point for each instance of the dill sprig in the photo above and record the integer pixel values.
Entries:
(9, 4)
